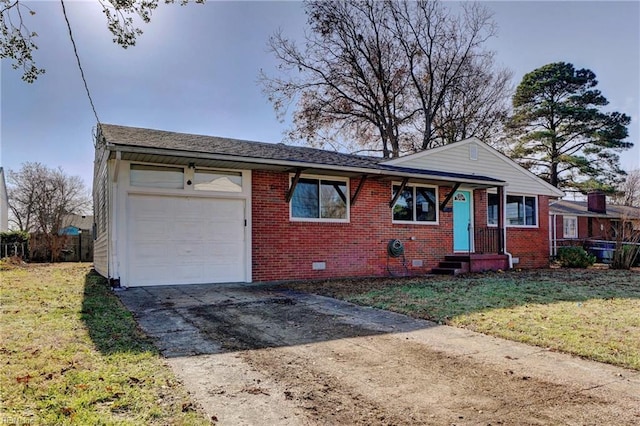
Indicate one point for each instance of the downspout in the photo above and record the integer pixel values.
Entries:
(553, 230)
(554, 248)
(504, 228)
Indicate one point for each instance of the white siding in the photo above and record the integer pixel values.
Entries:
(100, 255)
(101, 212)
(489, 162)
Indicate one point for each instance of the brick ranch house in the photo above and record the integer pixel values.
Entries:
(174, 208)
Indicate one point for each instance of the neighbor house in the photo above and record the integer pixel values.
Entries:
(75, 224)
(174, 208)
(582, 222)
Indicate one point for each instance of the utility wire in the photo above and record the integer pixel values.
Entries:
(75, 51)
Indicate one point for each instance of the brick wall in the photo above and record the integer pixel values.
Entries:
(283, 249)
(531, 245)
(286, 250)
(600, 227)
(480, 208)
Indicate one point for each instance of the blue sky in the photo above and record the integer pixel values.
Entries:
(195, 70)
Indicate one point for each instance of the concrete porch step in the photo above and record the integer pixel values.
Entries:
(446, 271)
(457, 258)
(452, 265)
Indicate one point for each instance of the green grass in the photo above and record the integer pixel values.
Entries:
(591, 313)
(72, 354)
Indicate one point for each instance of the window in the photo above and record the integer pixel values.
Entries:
(492, 209)
(570, 225)
(156, 176)
(424, 209)
(324, 199)
(212, 180)
(521, 210)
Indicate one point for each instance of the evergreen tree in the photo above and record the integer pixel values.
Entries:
(561, 133)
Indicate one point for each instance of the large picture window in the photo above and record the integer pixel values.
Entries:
(416, 204)
(522, 210)
(322, 199)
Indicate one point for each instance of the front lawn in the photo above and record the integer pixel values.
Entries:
(591, 313)
(72, 354)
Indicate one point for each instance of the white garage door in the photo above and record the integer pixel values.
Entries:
(182, 240)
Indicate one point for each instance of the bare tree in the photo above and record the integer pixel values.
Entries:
(477, 108)
(40, 198)
(628, 192)
(449, 67)
(348, 80)
(387, 76)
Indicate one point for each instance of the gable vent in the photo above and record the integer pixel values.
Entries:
(473, 151)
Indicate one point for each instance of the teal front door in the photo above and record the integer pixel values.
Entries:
(461, 220)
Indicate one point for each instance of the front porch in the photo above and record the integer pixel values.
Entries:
(485, 253)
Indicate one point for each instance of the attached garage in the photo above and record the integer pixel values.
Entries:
(185, 240)
(163, 220)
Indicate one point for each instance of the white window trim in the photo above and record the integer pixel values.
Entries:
(491, 225)
(507, 225)
(415, 222)
(564, 227)
(346, 180)
(535, 197)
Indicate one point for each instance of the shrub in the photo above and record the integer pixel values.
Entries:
(625, 256)
(10, 237)
(575, 257)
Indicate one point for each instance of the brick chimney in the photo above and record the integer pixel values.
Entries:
(596, 202)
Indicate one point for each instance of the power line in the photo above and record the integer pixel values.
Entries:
(75, 51)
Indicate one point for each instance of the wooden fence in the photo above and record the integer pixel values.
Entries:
(67, 248)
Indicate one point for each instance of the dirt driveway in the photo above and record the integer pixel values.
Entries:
(251, 355)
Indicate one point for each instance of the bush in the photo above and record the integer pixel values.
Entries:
(575, 257)
(11, 237)
(625, 256)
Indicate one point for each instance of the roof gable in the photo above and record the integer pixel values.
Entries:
(489, 161)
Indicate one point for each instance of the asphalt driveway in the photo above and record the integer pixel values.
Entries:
(252, 354)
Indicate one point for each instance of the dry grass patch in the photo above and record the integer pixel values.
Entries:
(72, 354)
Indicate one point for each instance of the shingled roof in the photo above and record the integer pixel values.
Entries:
(127, 138)
(580, 208)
